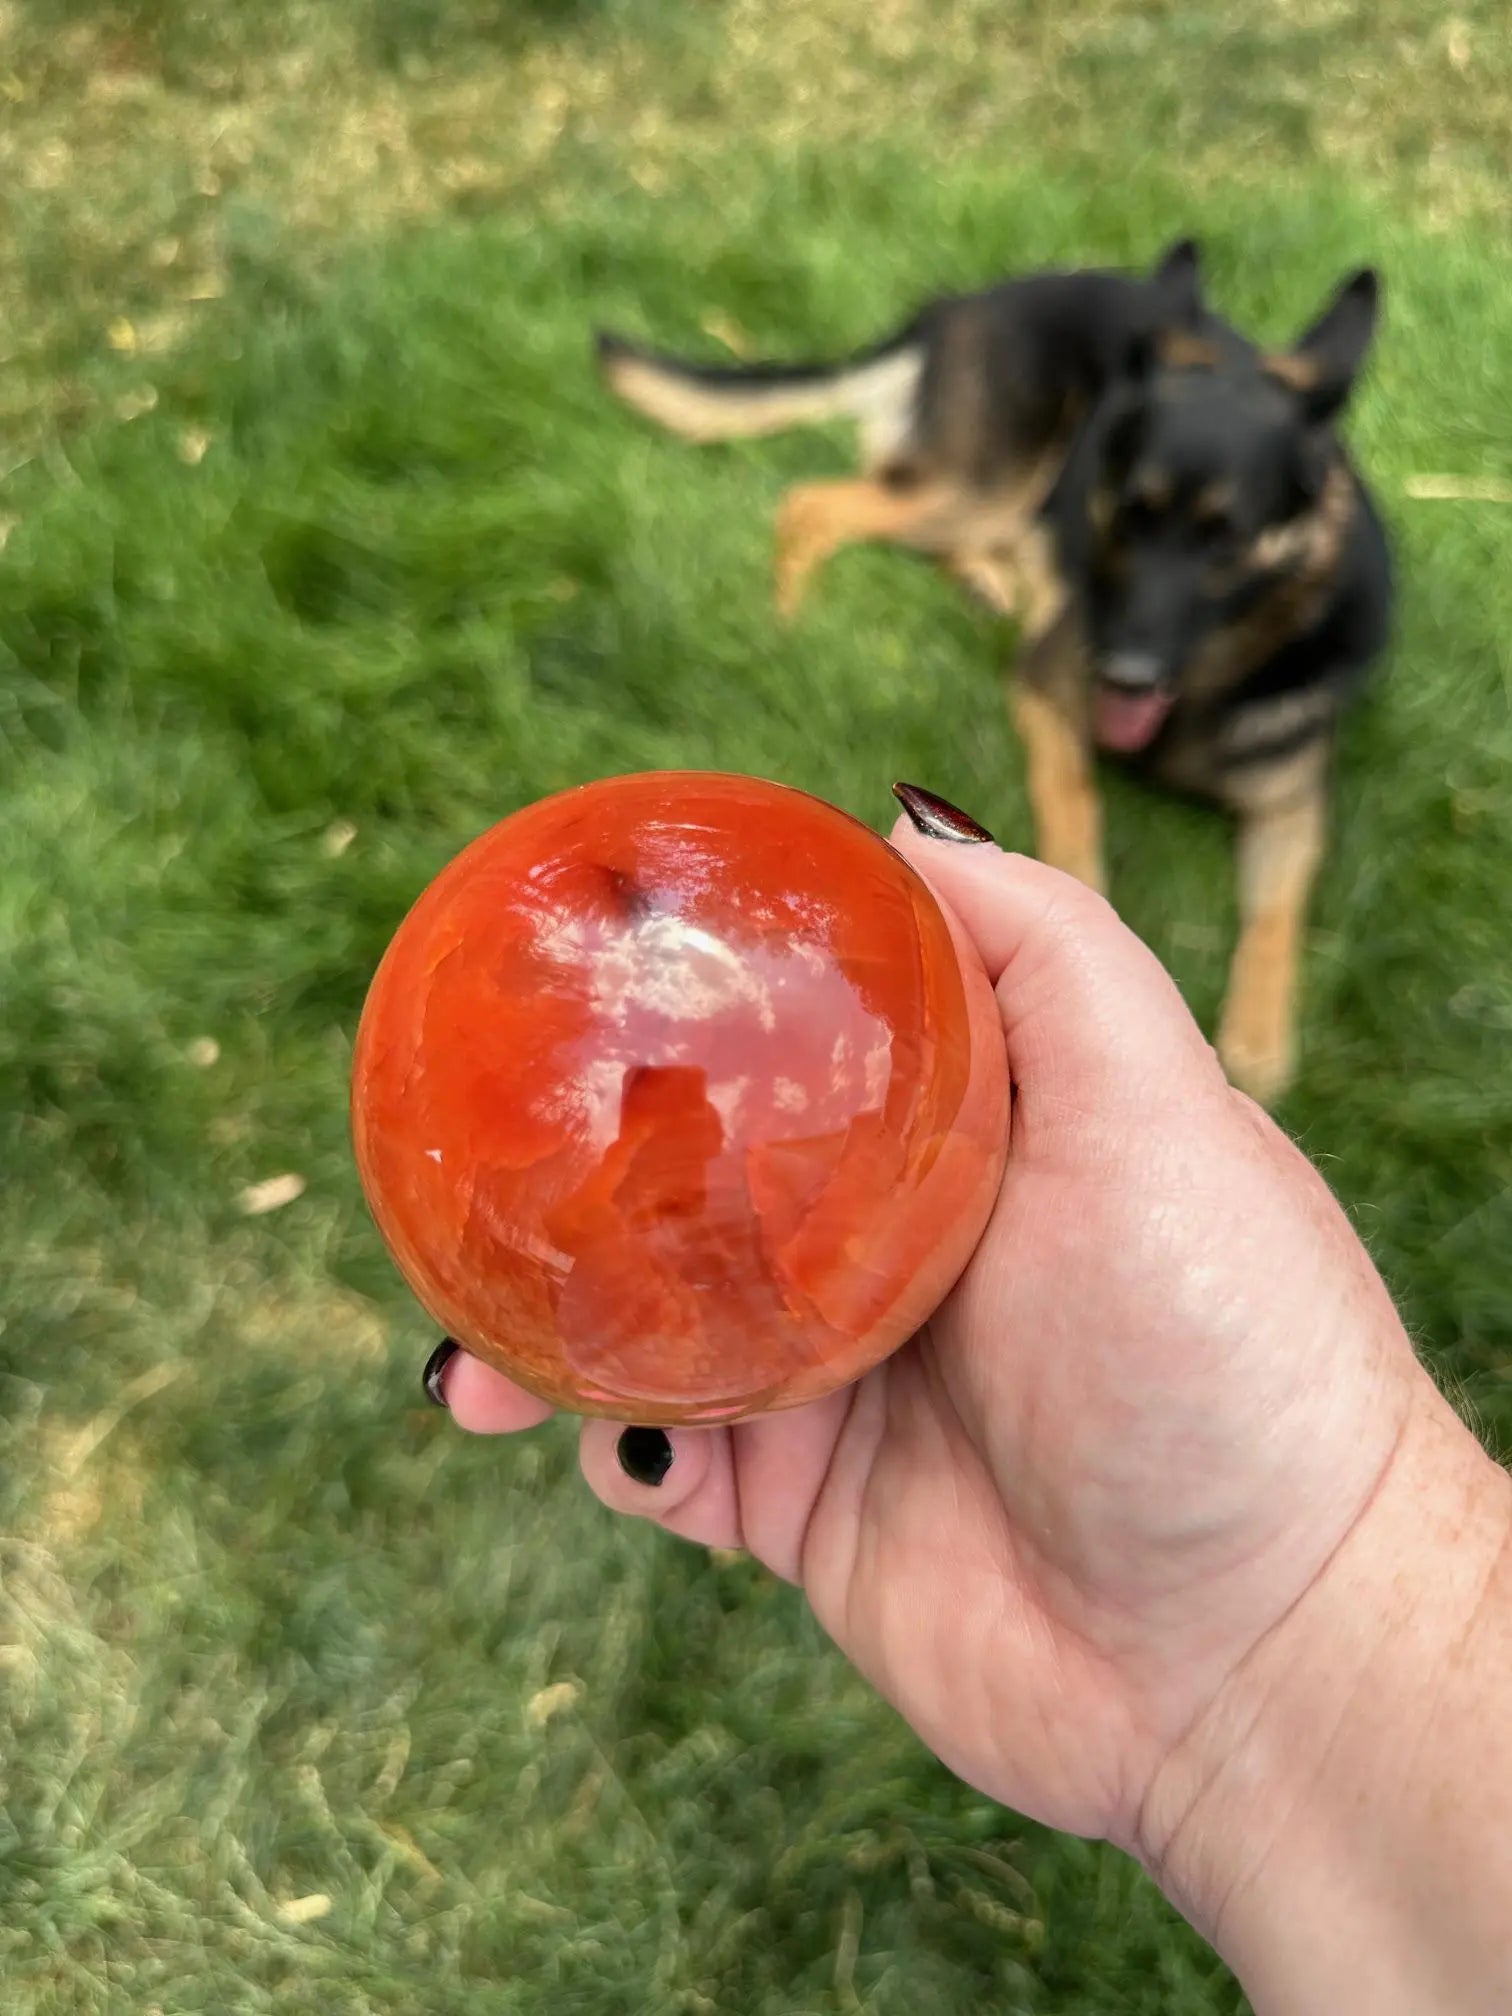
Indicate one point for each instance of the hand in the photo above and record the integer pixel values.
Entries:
(1062, 1525)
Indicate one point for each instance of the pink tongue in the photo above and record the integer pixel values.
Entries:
(1129, 721)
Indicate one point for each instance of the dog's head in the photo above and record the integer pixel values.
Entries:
(1196, 488)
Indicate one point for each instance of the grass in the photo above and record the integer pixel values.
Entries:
(322, 552)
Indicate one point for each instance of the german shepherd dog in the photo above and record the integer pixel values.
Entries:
(1198, 573)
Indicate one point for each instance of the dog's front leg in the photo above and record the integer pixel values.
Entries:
(1049, 710)
(1280, 847)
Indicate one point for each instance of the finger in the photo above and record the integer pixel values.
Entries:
(786, 1462)
(484, 1402)
(696, 1495)
(754, 1486)
(1092, 1018)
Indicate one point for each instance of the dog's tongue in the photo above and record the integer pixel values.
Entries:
(1128, 721)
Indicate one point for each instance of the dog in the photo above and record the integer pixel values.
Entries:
(1166, 509)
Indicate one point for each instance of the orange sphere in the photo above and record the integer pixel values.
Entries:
(677, 1098)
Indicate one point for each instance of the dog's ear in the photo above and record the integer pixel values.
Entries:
(1322, 365)
(1174, 307)
(1177, 280)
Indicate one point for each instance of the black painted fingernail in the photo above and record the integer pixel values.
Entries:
(435, 1370)
(645, 1455)
(936, 818)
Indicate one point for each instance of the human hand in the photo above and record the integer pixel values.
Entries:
(1158, 1531)
(1056, 1527)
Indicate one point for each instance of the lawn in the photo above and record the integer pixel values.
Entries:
(322, 550)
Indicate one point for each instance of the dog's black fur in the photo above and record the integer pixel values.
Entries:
(1198, 570)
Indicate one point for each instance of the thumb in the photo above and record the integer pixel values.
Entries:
(1094, 1024)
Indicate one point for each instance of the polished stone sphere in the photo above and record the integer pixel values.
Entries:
(678, 1098)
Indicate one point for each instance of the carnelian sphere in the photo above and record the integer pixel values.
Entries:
(678, 1098)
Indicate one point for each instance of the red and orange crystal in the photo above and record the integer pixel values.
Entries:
(678, 1098)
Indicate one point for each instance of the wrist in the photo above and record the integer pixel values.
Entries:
(1339, 1823)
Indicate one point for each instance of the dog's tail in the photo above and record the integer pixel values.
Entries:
(703, 402)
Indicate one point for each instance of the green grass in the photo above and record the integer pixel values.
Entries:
(324, 552)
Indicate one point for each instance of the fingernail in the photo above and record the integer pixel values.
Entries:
(645, 1455)
(936, 818)
(435, 1370)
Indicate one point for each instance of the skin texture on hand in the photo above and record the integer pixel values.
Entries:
(1056, 1528)
(1340, 1820)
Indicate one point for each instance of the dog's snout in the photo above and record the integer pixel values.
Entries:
(1133, 671)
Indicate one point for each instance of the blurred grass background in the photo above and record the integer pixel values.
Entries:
(322, 551)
